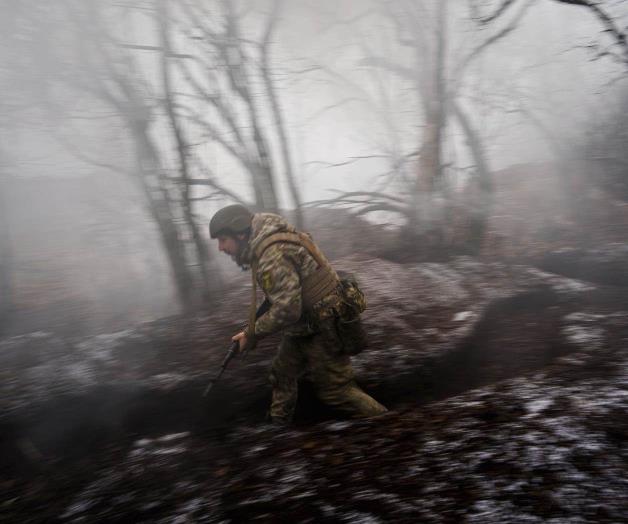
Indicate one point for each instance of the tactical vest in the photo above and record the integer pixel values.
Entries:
(314, 287)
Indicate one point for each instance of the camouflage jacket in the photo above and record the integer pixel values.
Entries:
(280, 271)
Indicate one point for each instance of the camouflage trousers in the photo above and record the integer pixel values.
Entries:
(316, 357)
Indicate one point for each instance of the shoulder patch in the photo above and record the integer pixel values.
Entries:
(267, 280)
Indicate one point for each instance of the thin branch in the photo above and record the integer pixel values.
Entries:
(80, 154)
(402, 210)
(408, 42)
(498, 36)
(356, 194)
(499, 12)
(332, 106)
(271, 23)
(212, 196)
(354, 159)
(216, 102)
(371, 207)
(158, 49)
(277, 112)
(606, 20)
(384, 63)
(215, 135)
(306, 70)
(210, 179)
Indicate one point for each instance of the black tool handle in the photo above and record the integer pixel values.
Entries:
(233, 349)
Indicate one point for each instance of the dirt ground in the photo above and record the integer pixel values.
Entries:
(506, 386)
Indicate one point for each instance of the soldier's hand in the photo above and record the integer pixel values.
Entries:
(241, 338)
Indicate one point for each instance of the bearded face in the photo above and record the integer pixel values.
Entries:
(234, 246)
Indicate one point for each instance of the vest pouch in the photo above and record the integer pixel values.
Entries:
(353, 299)
(352, 334)
(348, 322)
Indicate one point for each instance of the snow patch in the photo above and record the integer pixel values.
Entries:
(590, 335)
(463, 315)
(561, 284)
(536, 406)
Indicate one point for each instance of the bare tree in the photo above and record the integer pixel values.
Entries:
(435, 75)
(7, 25)
(108, 72)
(6, 253)
(601, 10)
(277, 112)
(579, 162)
(237, 103)
(216, 86)
(15, 37)
(182, 148)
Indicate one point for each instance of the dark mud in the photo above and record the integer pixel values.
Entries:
(602, 265)
(494, 420)
(516, 335)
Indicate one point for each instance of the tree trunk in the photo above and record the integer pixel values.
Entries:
(6, 262)
(422, 219)
(240, 80)
(159, 208)
(126, 94)
(202, 251)
(277, 113)
(264, 170)
(484, 197)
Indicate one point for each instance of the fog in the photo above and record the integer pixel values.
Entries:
(464, 161)
(125, 125)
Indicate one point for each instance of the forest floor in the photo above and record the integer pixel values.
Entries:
(506, 384)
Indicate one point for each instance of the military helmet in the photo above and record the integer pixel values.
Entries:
(230, 220)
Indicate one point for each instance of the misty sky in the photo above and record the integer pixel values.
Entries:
(336, 107)
(538, 65)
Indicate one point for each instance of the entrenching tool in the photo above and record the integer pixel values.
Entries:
(233, 350)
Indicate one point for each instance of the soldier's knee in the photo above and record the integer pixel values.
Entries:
(281, 379)
(272, 378)
(276, 371)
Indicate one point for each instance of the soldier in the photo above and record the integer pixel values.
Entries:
(305, 298)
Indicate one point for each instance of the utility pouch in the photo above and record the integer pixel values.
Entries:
(348, 323)
(353, 298)
(352, 335)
